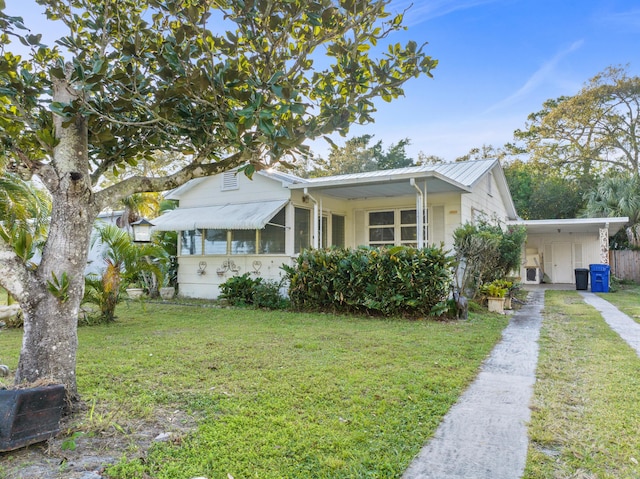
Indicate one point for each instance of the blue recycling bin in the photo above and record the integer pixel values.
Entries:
(599, 278)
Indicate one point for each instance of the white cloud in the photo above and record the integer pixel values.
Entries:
(419, 12)
(630, 18)
(542, 75)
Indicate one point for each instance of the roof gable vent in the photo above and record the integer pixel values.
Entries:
(229, 180)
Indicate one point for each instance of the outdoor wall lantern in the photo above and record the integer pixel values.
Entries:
(142, 231)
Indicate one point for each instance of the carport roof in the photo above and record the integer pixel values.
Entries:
(576, 225)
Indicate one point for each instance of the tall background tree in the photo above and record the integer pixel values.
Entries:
(595, 130)
(136, 77)
(539, 191)
(579, 155)
(357, 156)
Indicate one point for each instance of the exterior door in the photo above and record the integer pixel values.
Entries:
(562, 255)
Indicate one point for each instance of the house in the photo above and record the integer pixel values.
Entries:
(230, 224)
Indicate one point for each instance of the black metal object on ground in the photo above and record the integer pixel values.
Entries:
(30, 415)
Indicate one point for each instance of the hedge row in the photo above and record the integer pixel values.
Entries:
(395, 281)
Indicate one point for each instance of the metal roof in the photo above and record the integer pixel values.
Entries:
(440, 178)
(575, 225)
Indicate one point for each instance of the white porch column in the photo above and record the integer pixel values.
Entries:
(315, 240)
(421, 202)
(604, 245)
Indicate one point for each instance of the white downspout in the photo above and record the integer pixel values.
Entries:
(425, 215)
(314, 243)
(419, 213)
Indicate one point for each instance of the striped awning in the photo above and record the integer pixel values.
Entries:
(230, 216)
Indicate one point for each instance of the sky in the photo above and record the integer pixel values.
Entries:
(499, 60)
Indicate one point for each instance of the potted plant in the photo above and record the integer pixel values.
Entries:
(135, 290)
(167, 292)
(496, 292)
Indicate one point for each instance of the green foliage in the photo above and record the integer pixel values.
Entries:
(258, 292)
(497, 288)
(356, 156)
(59, 287)
(238, 290)
(540, 191)
(485, 252)
(587, 133)
(616, 195)
(24, 216)
(157, 87)
(125, 262)
(390, 282)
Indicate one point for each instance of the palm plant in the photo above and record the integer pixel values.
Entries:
(617, 195)
(24, 215)
(125, 262)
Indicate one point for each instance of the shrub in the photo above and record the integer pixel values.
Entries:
(258, 292)
(485, 252)
(266, 294)
(395, 281)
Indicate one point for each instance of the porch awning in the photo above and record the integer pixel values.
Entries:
(230, 216)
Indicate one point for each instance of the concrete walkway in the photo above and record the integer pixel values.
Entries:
(484, 435)
(622, 324)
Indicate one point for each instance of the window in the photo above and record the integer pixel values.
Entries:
(395, 227)
(191, 242)
(408, 227)
(381, 228)
(272, 237)
(215, 242)
(269, 240)
(302, 229)
(243, 241)
(337, 230)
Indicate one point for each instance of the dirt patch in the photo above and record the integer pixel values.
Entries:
(76, 454)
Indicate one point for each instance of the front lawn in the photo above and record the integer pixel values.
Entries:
(626, 299)
(586, 405)
(275, 394)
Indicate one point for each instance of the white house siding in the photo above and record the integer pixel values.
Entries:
(206, 285)
(209, 191)
(486, 200)
(578, 250)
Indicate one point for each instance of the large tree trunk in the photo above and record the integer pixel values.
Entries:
(50, 339)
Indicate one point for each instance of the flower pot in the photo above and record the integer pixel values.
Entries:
(507, 302)
(30, 415)
(496, 305)
(135, 293)
(167, 292)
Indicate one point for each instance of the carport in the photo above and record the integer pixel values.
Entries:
(555, 248)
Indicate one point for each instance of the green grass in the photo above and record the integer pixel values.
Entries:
(277, 394)
(626, 299)
(586, 405)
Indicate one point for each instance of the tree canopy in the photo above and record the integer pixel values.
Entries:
(595, 130)
(225, 83)
(539, 191)
(356, 156)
